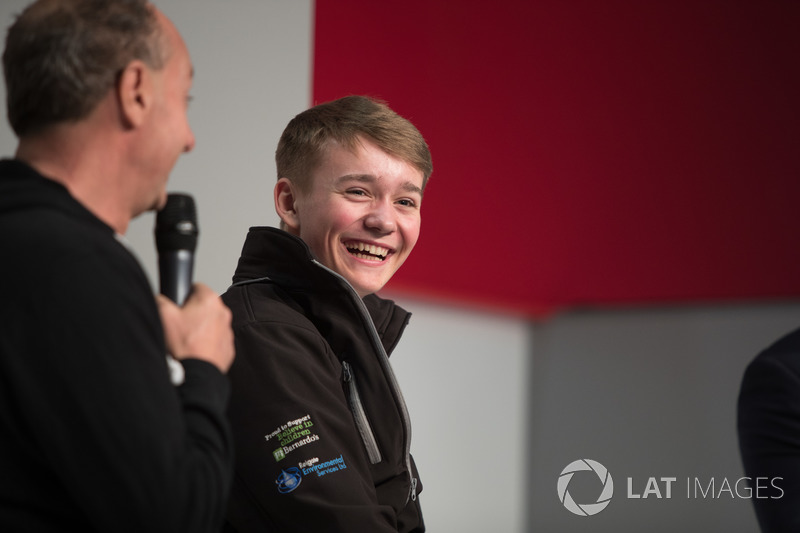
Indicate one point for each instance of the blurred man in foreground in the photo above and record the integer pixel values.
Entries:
(96, 437)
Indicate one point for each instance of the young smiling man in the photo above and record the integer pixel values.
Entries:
(321, 430)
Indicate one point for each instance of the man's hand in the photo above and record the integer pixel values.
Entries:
(201, 329)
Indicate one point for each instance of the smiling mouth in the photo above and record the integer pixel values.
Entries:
(370, 252)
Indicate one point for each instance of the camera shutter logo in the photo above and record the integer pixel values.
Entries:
(586, 509)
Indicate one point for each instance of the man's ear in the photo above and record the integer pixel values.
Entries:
(134, 93)
(286, 205)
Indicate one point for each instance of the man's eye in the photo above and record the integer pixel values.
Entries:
(407, 202)
(356, 192)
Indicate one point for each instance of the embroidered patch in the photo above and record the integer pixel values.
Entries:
(291, 477)
(291, 436)
(327, 467)
(289, 480)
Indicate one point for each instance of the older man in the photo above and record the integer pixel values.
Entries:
(95, 435)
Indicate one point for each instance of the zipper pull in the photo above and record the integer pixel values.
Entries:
(413, 489)
(346, 373)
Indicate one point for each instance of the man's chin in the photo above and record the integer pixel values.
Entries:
(159, 202)
(359, 280)
(366, 289)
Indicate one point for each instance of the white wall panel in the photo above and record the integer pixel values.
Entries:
(464, 374)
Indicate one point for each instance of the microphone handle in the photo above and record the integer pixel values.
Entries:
(175, 272)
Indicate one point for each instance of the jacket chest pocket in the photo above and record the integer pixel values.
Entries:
(359, 414)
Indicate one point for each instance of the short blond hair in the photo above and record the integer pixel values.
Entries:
(303, 142)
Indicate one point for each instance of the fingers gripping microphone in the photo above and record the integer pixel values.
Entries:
(176, 239)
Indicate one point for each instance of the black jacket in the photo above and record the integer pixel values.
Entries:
(95, 437)
(312, 355)
(769, 433)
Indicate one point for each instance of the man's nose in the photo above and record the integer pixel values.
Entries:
(381, 217)
(190, 141)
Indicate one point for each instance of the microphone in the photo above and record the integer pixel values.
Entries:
(176, 239)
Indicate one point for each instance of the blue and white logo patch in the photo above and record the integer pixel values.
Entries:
(289, 480)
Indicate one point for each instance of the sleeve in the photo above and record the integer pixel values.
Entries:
(133, 452)
(769, 441)
(300, 462)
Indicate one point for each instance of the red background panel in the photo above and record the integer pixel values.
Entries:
(588, 153)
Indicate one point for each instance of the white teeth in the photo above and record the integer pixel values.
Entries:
(367, 257)
(369, 248)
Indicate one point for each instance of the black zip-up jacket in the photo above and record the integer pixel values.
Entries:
(321, 430)
(93, 434)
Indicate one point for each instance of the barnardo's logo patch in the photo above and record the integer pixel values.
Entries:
(586, 509)
(292, 435)
(289, 480)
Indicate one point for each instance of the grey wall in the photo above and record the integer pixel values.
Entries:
(466, 375)
(252, 75)
(647, 393)
(500, 406)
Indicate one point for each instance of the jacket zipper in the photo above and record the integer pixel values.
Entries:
(383, 358)
(360, 415)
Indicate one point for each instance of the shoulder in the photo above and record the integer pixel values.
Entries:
(60, 253)
(267, 321)
(49, 233)
(263, 302)
(788, 344)
(51, 251)
(782, 357)
(772, 379)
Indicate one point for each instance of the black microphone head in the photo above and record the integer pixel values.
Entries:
(176, 224)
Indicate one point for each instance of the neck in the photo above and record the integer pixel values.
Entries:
(85, 165)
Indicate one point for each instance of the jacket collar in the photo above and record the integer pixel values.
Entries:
(22, 187)
(288, 261)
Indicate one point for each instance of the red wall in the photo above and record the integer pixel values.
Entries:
(588, 153)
